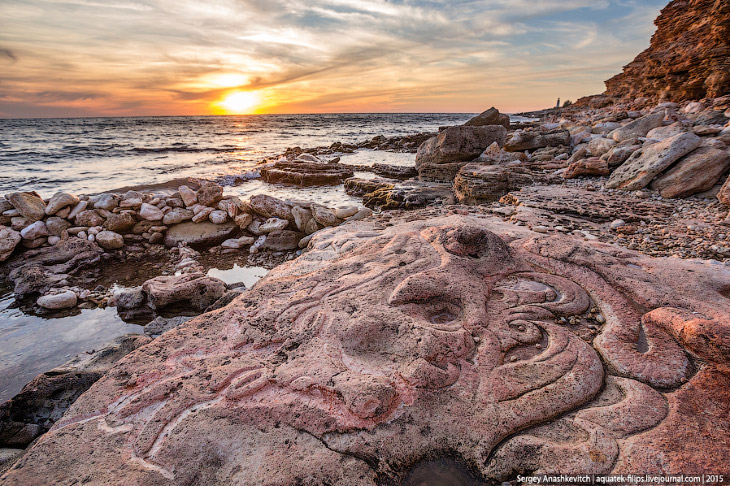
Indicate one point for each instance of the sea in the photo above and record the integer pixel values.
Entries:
(94, 155)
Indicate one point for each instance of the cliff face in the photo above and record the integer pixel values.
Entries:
(689, 55)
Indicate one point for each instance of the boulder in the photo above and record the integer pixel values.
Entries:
(56, 226)
(209, 194)
(477, 183)
(218, 216)
(110, 240)
(440, 157)
(81, 206)
(302, 216)
(645, 164)
(638, 128)
(394, 171)
(30, 205)
(620, 154)
(281, 240)
(697, 172)
(34, 231)
(522, 140)
(238, 243)
(599, 146)
(324, 215)
(59, 201)
(273, 224)
(202, 234)
(118, 222)
(177, 215)
(9, 239)
(591, 167)
(357, 186)
(270, 207)
(58, 300)
(188, 196)
(193, 289)
(663, 133)
(490, 117)
(107, 202)
(150, 213)
(89, 217)
(243, 220)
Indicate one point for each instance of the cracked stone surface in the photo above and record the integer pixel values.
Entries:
(386, 344)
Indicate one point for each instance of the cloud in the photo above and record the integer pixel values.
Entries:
(315, 55)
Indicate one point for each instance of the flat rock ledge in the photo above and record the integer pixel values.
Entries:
(386, 345)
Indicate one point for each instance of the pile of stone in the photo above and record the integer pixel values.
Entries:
(54, 238)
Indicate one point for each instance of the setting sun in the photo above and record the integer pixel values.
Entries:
(239, 102)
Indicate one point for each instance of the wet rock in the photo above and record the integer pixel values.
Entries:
(440, 158)
(177, 215)
(695, 173)
(591, 167)
(29, 204)
(209, 194)
(199, 234)
(58, 300)
(639, 170)
(9, 239)
(393, 171)
(638, 128)
(161, 325)
(89, 217)
(34, 231)
(44, 400)
(59, 201)
(193, 289)
(303, 173)
(270, 207)
(356, 186)
(490, 117)
(150, 212)
(110, 240)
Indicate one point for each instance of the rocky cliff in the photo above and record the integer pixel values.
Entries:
(689, 55)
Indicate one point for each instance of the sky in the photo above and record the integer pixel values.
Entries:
(192, 57)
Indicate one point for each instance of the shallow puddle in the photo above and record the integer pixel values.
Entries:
(32, 345)
(248, 275)
(442, 472)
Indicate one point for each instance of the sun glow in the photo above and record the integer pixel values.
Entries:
(240, 102)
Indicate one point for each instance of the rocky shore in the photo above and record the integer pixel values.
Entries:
(527, 298)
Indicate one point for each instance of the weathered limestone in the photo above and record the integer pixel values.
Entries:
(194, 289)
(645, 164)
(59, 201)
(204, 233)
(592, 167)
(29, 204)
(333, 367)
(490, 117)
(638, 128)
(302, 173)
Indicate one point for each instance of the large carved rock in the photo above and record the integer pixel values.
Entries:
(439, 158)
(380, 347)
(689, 55)
(645, 164)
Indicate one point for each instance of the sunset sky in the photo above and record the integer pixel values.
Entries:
(191, 57)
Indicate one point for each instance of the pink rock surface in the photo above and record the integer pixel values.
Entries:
(382, 346)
